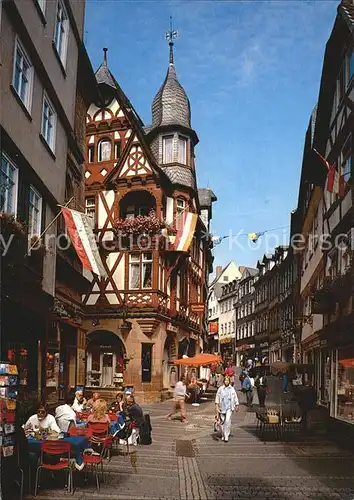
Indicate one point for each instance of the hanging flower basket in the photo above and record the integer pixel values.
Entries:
(142, 225)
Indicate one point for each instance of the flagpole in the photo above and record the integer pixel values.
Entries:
(50, 224)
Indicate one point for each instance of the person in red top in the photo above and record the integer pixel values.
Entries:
(230, 372)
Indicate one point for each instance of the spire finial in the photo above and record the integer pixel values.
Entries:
(170, 36)
(105, 54)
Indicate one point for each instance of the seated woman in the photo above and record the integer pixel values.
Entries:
(117, 404)
(79, 404)
(65, 415)
(40, 421)
(194, 390)
(99, 413)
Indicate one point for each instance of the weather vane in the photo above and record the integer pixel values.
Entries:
(171, 34)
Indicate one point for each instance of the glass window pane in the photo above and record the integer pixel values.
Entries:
(134, 275)
(105, 150)
(147, 275)
(168, 149)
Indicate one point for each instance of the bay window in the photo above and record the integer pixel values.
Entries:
(140, 270)
(182, 150)
(8, 185)
(167, 149)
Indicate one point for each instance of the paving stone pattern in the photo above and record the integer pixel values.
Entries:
(187, 462)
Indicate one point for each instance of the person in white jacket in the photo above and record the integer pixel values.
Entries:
(65, 415)
(226, 403)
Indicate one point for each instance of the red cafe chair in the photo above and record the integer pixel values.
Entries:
(96, 461)
(57, 449)
(81, 431)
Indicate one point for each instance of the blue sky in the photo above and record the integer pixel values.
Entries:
(252, 72)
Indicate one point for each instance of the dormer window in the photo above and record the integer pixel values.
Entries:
(182, 150)
(104, 150)
(167, 149)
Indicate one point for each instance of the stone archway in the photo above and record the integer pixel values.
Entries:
(105, 360)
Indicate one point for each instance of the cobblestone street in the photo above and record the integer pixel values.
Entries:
(187, 462)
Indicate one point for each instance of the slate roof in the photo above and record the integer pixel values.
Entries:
(206, 197)
(171, 104)
(103, 75)
(180, 175)
(346, 8)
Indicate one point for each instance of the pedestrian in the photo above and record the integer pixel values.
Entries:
(226, 402)
(242, 376)
(261, 385)
(179, 400)
(248, 390)
(229, 370)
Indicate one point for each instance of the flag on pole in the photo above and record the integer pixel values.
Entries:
(186, 231)
(83, 240)
(334, 182)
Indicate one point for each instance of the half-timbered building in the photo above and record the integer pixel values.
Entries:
(142, 194)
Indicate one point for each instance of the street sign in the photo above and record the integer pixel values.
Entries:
(198, 308)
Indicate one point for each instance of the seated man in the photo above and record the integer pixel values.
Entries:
(65, 415)
(135, 413)
(41, 421)
(95, 397)
(79, 404)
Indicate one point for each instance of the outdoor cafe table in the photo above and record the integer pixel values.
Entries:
(78, 445)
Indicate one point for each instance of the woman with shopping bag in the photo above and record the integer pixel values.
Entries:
(226, 402)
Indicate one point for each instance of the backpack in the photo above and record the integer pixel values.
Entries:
(145, 431)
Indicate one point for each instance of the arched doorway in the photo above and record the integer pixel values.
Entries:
(105, 360)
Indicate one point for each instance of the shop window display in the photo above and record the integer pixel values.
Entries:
(345, 385)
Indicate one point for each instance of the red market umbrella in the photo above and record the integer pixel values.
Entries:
(199, 360)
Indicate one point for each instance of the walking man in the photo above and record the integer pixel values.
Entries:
(179, 397)
(248, 390)
(226, 402)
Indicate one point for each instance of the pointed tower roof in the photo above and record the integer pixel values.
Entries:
(103, 75)
(171, 104)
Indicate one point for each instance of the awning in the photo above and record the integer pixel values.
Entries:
(347, 363)
(199, 360)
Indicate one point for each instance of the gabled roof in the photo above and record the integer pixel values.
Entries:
(249, 272)
(222, 272)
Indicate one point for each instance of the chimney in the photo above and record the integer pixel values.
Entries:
(218, 271)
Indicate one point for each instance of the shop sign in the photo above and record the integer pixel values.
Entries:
(213, 327)
(198, 308)
(171, 328)
(226, 340)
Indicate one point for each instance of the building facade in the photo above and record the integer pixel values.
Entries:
(222, 276)
(245, 316)
(43, 96)
(227, 320)
(332, 352)
(142, 194)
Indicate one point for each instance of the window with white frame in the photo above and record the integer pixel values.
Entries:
(182, 149)
(90, 209)
(346, 159)
(8, 185)
(34, 212)
(140, 270)
(42, 4)
(180, 209)
(167, 149)
(104, 150)
(61, 32)
(23, 75)
(49, 120)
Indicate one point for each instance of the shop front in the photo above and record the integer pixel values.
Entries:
(275, 352)
(243, 353)
(227, 349)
